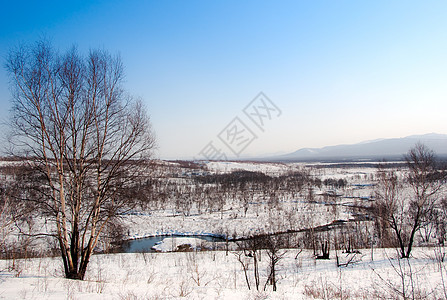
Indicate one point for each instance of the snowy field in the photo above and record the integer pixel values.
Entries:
(215, 275)
(291, 213)
(371, 274)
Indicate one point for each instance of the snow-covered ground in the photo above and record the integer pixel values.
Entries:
(234, 220)
(264, 167)
(170, 244)
(292, 215)
(215, 275)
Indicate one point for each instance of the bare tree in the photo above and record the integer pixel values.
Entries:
(389, 207)
(273, 245)
(244, 260)
(250, 249)
(406, 214)
(87, 138)
(425, 182)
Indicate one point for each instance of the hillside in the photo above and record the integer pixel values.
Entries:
(379, 149)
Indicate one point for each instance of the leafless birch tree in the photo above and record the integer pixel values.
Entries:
(88, 140)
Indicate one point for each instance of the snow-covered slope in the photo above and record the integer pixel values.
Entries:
(216, 275)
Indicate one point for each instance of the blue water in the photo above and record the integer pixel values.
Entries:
(146, 244)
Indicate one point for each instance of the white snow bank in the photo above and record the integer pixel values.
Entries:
(180, 244)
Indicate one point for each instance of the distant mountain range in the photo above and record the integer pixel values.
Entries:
(389, 149)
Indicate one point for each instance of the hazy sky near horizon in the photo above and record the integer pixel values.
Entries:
(339, 71)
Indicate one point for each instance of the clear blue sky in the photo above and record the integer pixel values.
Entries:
(340, 71)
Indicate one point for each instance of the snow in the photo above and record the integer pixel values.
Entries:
(175, 243)
(289, 213)
(234, 221)
(215, 275)
(229, 166)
